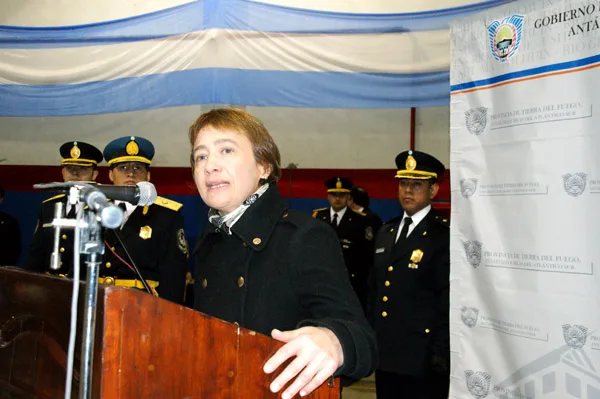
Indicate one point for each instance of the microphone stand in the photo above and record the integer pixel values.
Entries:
(88, 240)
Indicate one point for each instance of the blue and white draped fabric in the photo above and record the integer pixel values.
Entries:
(225, 222)
(158, 69)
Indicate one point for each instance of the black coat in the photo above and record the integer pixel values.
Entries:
(42, 242)
(10, 240)
(373, 219)
(356, 239)
(155, 239)
(410, 314)
(281, 269)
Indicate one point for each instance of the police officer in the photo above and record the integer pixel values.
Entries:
(359, 202)
(409, 288)
(353, 230)
(152, 237)
(79, 163)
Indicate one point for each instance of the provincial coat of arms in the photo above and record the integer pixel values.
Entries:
(476, 120)
(575, 336)
(469, 316)
(505, 37)
(468, 187)
(574, 183)
(473, 252)
(478, 383)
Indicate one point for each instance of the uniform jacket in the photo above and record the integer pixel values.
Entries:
(155, 239)
(10, 240)
(42, 242)
(356, 239)
(409, 295)
(162, 256)
(281, 269)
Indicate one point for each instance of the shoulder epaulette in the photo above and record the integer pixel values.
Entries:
(167, 203)
(442, 221)
(360, 213)
(53, 198)
(314, 214)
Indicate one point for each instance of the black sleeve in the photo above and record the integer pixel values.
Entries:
(323, 287)
(440, 345)
(36, 253)
(173, 262)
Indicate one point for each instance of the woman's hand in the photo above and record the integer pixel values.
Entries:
(318, 354)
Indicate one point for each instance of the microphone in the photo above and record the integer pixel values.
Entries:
(110, 215)
(143, 193)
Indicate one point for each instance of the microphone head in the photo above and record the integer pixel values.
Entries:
(111, 217)
(147, 193)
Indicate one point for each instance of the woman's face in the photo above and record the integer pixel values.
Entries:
(225, 170)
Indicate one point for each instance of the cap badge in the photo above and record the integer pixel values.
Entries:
(411, 163)
(132, 148)
(75, 151)
(338, 184)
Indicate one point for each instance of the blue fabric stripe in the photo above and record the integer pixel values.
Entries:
(228, 86)
(231, 14)
(528, 72)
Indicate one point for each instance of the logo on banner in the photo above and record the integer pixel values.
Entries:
(505, 37)
(575, 336)
(574, 183)
(469, 316)
(473, 251)
(478, 383)
(476, 120)
(468, 187)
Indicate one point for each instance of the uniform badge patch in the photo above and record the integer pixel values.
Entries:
(181, 241)
(145, 232)
(416, 256)
(369, 233)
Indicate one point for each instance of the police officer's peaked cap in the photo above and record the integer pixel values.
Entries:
(80, 154)
(338, 185)
(418, 165)
(129, 149)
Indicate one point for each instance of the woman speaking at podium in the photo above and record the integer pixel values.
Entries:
(273, 270)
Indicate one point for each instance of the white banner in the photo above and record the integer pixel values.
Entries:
(525, 162)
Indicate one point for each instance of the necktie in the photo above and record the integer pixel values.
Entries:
(404, 232)
(334, 221)
(124, 209)
(72, 213)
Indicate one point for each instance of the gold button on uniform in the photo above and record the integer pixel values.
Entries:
(385, 299)
(240, 282)
(204, 283)
(387, 283)
(64, 236)
(256, 241)
(427, 330)
(384, 314)
(390, 268)
(62, 250)
(108, 265)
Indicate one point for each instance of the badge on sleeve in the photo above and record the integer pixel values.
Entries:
(181, 241)
(369, 233)
(145, 232)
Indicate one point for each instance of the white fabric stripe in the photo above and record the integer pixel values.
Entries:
(309, 137)
(70, 12)
(401, 53)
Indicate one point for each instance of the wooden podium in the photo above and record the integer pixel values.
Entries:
(145, 347)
